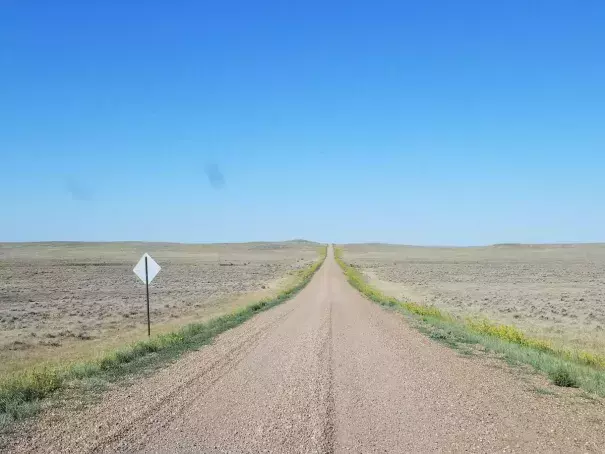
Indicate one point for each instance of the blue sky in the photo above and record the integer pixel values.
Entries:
(459, 123)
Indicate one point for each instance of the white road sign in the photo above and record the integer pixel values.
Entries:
(152, 268)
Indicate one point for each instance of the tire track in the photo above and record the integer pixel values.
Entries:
(188, 392)
(326, 388)
(131, 411)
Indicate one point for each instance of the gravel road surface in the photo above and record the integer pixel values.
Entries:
(325, 372)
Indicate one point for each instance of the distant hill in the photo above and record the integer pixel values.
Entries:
(301, 241)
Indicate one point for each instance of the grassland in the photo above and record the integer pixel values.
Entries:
(63, 302)
(550, 292)
(565, 367)
(22, 393)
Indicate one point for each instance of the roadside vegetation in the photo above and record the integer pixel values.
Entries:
(23, 393)
(568, 368)
(68, 302)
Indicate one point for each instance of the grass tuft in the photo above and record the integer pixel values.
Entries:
(545, 392)
(21, 394)
(564, 377)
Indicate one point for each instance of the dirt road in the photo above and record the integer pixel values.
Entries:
(326, 372)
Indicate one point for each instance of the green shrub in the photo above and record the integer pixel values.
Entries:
(562, 376)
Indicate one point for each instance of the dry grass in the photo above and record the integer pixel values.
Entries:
(551, 292)
(565, 367)
(70, 302)
(21, 393)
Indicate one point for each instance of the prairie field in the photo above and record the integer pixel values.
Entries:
(555, 292)
(72, 301)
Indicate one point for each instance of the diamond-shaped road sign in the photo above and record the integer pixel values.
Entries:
(152, 268)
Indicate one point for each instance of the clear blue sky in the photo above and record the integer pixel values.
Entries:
(466, 122)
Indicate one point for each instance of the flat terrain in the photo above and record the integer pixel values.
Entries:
(327, 372)
(553, 291)
(69, 300)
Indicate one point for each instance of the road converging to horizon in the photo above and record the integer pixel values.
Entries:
(327, 371)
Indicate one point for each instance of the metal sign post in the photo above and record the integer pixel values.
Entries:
(147, 289)
(146, 270)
